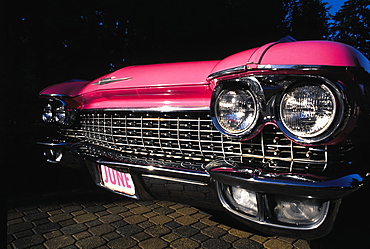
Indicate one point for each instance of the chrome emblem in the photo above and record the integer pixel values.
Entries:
(110, 80)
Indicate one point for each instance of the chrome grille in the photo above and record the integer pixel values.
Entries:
(187, 139)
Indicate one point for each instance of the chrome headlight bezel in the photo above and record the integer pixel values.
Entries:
(56, 111)
(325, 111)
(236, 107)
(238, 116)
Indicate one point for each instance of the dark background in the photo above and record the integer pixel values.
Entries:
(50, 41)
(47, 42)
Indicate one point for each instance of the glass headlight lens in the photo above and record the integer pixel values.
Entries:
(47, 114)
(60, 114)
(236, 111)
(308, 110)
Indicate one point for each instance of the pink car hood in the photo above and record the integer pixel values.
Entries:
(134, 77)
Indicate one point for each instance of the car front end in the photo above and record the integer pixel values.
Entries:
(276, 135)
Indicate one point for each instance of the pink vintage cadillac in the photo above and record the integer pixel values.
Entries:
(274, 135)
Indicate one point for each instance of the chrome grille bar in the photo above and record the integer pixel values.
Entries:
(191, 137)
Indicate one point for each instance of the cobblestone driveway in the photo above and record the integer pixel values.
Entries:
(93, 218)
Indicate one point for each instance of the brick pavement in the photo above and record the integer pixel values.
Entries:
(94, 218)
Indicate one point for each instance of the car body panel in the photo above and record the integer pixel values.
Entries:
(160, 98)
(159, 75)
(235, 60)
(314, 53)
(70, 88)
(136, 77)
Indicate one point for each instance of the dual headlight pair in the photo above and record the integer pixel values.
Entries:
(56, 112)
(306, 111)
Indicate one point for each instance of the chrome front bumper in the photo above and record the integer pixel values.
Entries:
(54, 149)
(314, 200)
(213, 186)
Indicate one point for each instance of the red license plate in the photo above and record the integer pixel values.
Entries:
(117, 181)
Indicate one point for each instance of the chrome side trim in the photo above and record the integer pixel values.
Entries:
(245, 68)
(300, 67)
(55, 95)
(52, 144)
(173, 179)
(153, 168)
(238, 69)
(156, 109)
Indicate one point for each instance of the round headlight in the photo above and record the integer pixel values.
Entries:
(47, 114)
(307, 111)
(60, 115)
(236, 111)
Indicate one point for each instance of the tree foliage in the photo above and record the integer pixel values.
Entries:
(306, 19)
(351, 25)
(68, 39)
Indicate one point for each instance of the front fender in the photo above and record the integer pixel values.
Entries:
(69, 88)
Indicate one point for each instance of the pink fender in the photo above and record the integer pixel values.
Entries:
(235, 60)
(323, 53)
(251, 56)
(315, 53)
(68, 89)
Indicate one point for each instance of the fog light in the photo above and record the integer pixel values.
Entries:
(300, 211)
(247, 200)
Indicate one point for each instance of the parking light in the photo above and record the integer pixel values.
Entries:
(300, 211)
(246, 200)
